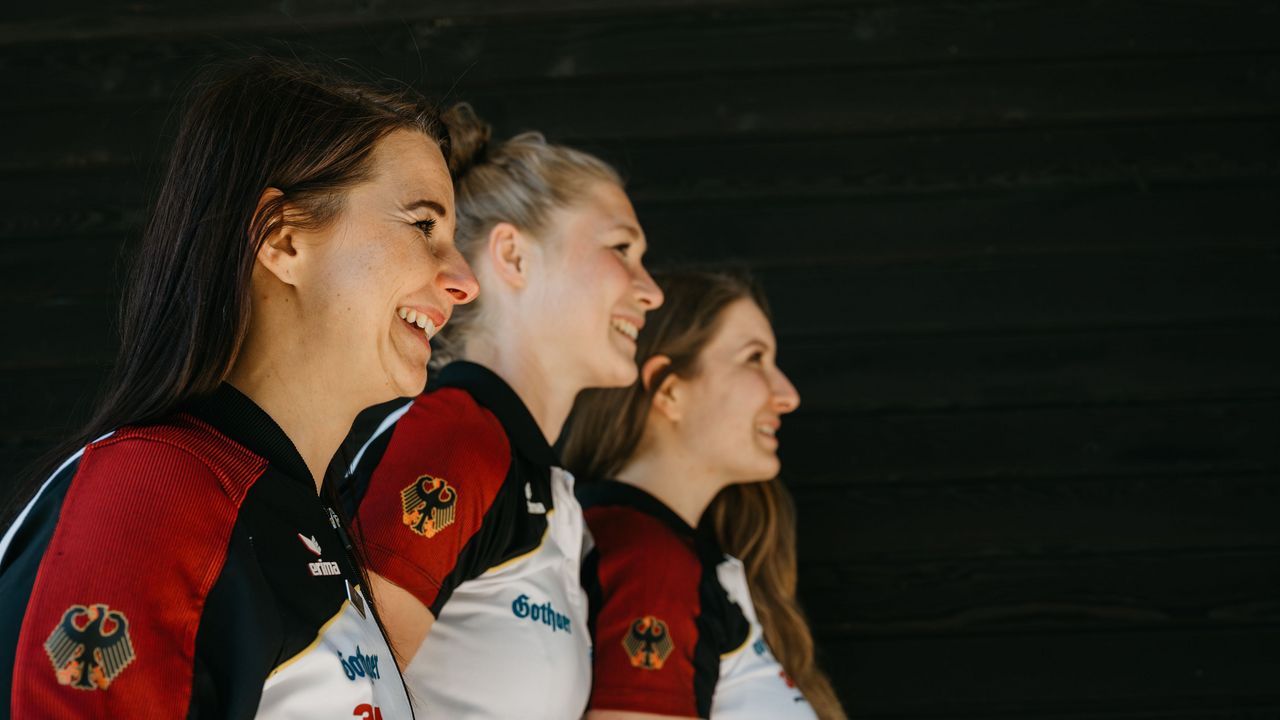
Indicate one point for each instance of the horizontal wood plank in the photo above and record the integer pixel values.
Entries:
(1050, 441)
(417, 43)
(1041, 517)
(1056, 674)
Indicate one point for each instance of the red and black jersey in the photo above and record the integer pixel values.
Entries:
(188, 569)
(671, 615)
(461, 502)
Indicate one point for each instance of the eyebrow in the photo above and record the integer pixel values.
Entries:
(428, 204)
(629, 229)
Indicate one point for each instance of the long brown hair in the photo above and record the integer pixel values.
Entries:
(248, 126)
(754, 522)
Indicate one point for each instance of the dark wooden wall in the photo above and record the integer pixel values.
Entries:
(1024, 256)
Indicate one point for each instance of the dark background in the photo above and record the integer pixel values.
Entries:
(1024, 257)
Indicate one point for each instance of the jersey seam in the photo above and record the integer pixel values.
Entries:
(224, 480)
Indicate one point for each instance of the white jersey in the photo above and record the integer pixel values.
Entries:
(752, 682)
(462, 504)
(516, 636)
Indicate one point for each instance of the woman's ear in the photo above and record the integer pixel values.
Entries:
(278, 253)
(507, 250)
(666, 394)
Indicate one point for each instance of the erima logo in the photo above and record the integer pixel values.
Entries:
(311, 543)
(89, 647)
(320, 567)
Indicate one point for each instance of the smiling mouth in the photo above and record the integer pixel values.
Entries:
(419, 321)
(767, 430)
(626, 328)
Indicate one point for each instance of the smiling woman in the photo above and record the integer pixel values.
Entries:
(183, 562)
(693, 575)
(472, 529)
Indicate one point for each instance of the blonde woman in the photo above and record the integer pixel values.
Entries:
(693, 576)
(472, 530)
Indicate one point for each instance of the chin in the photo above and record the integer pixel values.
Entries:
(618, 374)
(407, 384)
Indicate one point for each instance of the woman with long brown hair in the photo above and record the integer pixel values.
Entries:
(185, 561)
(473, 532)
(692, 578)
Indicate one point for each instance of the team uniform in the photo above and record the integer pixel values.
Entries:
(188, 569)
(675, 630)
(462, 503)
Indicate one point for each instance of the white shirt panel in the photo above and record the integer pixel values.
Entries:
(752, 682)
(351, 662)
(514, 642)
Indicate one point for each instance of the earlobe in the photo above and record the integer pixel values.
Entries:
(507, 246)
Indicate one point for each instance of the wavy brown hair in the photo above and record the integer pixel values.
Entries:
(754, 522)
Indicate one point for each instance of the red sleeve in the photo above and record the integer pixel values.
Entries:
(646, 631)
(430, 492)
(111, 623)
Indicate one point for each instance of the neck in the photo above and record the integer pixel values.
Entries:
(548, 395)
(679, 481)
(296, 392)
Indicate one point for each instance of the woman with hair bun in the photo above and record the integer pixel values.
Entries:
(184, 559)
(473, 533)
(693, 575)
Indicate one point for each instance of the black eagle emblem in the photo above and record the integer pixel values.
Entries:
(648, 643)
(89, 647)
(428, 505)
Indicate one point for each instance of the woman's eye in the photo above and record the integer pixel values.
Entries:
(756, 358)
(426, 226)
(622, 247)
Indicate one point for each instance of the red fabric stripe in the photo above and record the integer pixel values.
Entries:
(644, 569)
(144, 530)
(447, 435)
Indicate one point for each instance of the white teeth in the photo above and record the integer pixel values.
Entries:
(413, 317)
(766, 430)
(626, 328)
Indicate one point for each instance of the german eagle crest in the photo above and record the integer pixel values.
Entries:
(648, 643)
(428, 505)
(89, 647)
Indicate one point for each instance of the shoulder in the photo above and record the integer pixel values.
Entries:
(447, 434)
(643, 544)
(140, 537)
(156, 464)
(639, 559)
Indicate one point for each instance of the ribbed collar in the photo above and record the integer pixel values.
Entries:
(495, 394)
(239, 418)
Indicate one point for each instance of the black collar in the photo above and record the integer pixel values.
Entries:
(233, 414)
(613, 492)
(495, 394)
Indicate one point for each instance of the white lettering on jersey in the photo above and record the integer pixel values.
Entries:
(320, 567)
